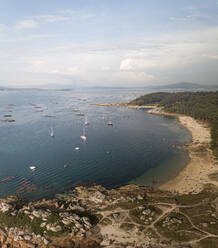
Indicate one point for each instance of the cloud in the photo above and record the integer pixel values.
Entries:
(3, 27)
(130, 64)
(105, 68)
(50, 18)
(74, 70)
(164, 58)
(134, 77)
(25, 24)
(78, 14)
(61, 16)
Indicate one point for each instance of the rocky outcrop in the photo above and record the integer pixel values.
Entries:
(130, 216)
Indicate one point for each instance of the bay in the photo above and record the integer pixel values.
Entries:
(138, 148)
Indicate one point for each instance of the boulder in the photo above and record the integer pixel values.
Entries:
(5, 207)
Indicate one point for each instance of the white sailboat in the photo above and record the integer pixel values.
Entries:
(83, 137)
(52, 132)
(86, 121)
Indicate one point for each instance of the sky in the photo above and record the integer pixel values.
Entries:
(127, 43)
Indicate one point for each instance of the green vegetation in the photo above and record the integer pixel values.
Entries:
(21, 220)
(200, 105)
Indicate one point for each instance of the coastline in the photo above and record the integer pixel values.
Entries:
(123, 105)
(195, 175)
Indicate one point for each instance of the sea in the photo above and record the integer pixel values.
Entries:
(138, 148)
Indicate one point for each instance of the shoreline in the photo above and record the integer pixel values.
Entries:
(195, 175)
(123, 105)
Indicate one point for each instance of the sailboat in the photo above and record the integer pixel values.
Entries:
(32, 167)
(52, 132)
(83, 137)
(86, 121)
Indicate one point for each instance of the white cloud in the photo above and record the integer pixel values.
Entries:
(74, 70)
(63, 16)
(3, 27)
(105, 68)
(51, 18)
(78, 14)
(131, 64)
(25, 24)
(140, 61)
(134, 77)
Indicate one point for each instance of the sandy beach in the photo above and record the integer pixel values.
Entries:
(123, 105)
(194, 176)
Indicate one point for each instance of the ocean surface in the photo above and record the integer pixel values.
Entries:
(139, 147)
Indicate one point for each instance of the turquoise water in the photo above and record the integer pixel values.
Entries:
(138, 148)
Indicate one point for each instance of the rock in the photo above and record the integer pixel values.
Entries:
(16, 238)
(105, 242)
(14, 213)
(146, 212)
(139, 197)
(97, 197)
(86, 221)
(27, 237)
(25, 244)
(204, 224)
(41, 214)
(45, 241)
(5, 207)
(150, 218)
(43, 224)
(31, 217)
(76, 217)
(3, 236)
(54, 228)
(26, 212)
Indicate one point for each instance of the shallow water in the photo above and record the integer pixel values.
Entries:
(138, 148)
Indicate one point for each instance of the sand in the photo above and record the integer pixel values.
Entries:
(194, 177)
(123, 105)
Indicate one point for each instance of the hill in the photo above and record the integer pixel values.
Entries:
(187, 86)
(183, 85)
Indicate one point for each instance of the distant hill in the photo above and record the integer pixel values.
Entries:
(184, 85)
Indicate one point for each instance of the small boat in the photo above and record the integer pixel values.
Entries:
(52, 133)
(83, 137)
(86, 121)
(65, 166)
(77, 148)
(80, 114)
(110, 123)
(32, 168)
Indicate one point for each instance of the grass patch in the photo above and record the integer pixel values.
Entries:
(201, 217)
(209, 243)
(207, 195)
(175, 230)
(22, 221)
(127, 226)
